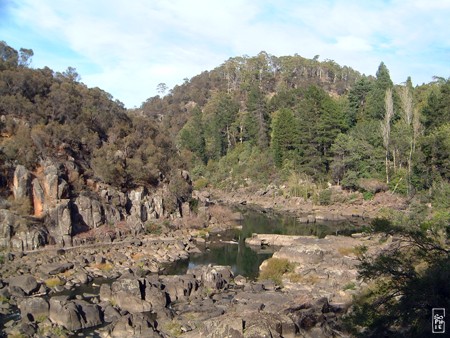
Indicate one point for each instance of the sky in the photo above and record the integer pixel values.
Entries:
(128, 47)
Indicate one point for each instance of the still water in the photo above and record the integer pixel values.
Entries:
(246, 261)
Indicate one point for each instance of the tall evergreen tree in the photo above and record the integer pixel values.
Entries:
(357, 98)
(285, 137)
(257, 119)
(375, 99)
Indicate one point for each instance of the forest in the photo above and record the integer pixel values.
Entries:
(288, 119)
(251, 122)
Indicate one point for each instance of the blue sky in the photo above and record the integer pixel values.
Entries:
(128, 47)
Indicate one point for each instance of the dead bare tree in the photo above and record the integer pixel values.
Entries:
(386, 127)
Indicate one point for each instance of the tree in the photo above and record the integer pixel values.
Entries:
(408, 280)
(437, 111)
(25, 56)
(256, 120)
(192, 137)
(358, 100)
(9, 57)
(386, 128)
(161, 88)
(285, 137)
(406, 131)
(218, 117)
(376, 96)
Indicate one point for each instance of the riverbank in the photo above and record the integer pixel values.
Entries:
(54, 289)
(341, 204)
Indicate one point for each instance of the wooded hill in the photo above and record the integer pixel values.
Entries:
(264, 119)
(250, 121)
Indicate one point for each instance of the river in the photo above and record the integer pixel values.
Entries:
(228, 248)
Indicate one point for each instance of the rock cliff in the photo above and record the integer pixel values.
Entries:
(53, 204)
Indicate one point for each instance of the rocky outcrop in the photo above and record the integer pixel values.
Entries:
(59, 223)
(7, 222)
(21, 183)
(62, 214)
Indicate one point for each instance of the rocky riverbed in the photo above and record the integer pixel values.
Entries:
(133, 298)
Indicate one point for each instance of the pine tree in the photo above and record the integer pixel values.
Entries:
(375, 98)
(285, 137)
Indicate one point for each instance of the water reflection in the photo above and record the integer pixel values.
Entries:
(245, 261)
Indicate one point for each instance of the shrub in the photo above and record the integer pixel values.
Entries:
(349, 286)
(324, 197)
(399, 182)
(372, 185)
(103, 266)
(194, 204)
(367, 195)
(345, 251)
(152, 228)
(173, 328)
(309, 279)
(300, 186)
(52, 282)
(200, 183)
(275, 268)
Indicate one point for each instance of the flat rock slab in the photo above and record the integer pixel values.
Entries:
(55, 268)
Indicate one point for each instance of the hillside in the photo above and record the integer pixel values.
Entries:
(287, 124)
(72, 159)
(300, 123)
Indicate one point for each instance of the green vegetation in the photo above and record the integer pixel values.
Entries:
(406, 281)
(173, 328)
(274, 269)
(54, 281)
(349, 286)
(152, 228)
(52, 116)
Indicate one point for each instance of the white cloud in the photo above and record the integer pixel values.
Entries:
(352, 43)
(127, 48)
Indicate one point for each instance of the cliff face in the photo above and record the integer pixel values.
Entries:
(46, 208)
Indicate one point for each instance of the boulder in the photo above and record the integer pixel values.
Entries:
(64, 313)
(134, 325)
(251, 324)
(37, 307)
(215, 277)
(110, 314)
(129, 295)
(90, 314)
(26, 282)
(301, 254)
(50, 181)
(180, 287)
(55, 268)
(38, 198)
(74, 314)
